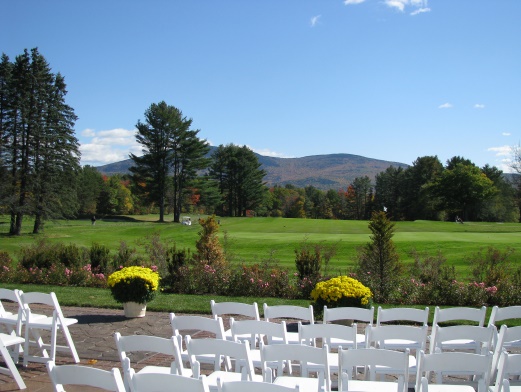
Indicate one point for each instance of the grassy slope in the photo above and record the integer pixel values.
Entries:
(252, 239)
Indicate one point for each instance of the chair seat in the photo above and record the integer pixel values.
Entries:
(293, 338)
(450, 388)
(45, 322)
(10, 340)
(360, 342)
(369, 386)
(412, 367)
(305, 384)
(226, 376)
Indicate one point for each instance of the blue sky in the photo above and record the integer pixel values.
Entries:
(386, 79)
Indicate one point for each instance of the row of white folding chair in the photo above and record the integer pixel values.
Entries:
(84, 376)
(220, 309)
(52, 321)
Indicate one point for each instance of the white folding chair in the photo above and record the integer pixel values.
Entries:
(348, 313)
(257, 331)
(369, 359)
(53, 323)
(509, 370)
(456, 337)
(307, 356)
(449, 367)
(289, 312)
(84, 376)
(194, 326)
(310, 333)
(407, 315)
(150, 344)
(460, 313)
(7, 340)
(501, 314)
(400, 338)
(11, 322)
(253, 386)
(218, 348)
(506, 341)
(154, 382)
(220, 309)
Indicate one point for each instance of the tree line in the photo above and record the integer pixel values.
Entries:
(41, 177)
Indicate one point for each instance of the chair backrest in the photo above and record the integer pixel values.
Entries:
(481, 335)
(199, 323)
(12, 320)
(156, 382)
(308, 356)
(409, 315)
(8, 295)
(149, 344)
(506, 313)
(255, 329)
(311, 332)
(350, 360)
(289, 312)
(476, 315)
(455, 364)
(48, 299)
(411, 337)
(235, 308)
(83, 375)
(509, 366)
(253, 386)
(240, 351)
(349, 313)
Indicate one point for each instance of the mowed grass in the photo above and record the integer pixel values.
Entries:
(251, 240)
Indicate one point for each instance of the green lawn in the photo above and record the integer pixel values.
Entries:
(253, 239)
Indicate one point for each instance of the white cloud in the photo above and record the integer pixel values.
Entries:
(506, 134)
(420, 11)
(314, 20)
(347, 2)
(400, 5)
(501, 151)
(446, 105)
(103, 147)
(397, 4)
(268, 153)
(479, 106)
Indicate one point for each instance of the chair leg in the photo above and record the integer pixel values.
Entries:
(11, 367)
(70, 343)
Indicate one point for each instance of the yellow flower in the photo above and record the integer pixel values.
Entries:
(334, 291)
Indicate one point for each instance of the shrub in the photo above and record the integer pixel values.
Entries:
(133, 284)
(7, 272)
(308, 261)
(100, 258)
(491, 267)
(209, 249)
(341, 291)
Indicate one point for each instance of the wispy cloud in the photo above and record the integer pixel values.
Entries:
(506, 134)
(314, 20)
(446, 105)
(418, 6)
(504, 154)
(108, 146)
(479, 106)
(348, 2)
(268, 153)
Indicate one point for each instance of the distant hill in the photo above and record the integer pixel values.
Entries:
(331, 171)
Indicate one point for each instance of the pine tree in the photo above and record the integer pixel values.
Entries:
(378, 259)
(169, 147)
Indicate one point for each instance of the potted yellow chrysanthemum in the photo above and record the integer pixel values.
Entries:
(134, 287)
(341, 291)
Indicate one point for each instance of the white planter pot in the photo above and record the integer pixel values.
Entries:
(134, 309)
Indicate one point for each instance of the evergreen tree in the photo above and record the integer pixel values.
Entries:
(169, 146)
(238, 173)
(40, 155)
(378, 260)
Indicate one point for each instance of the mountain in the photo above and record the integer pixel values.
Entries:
(331, 171)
